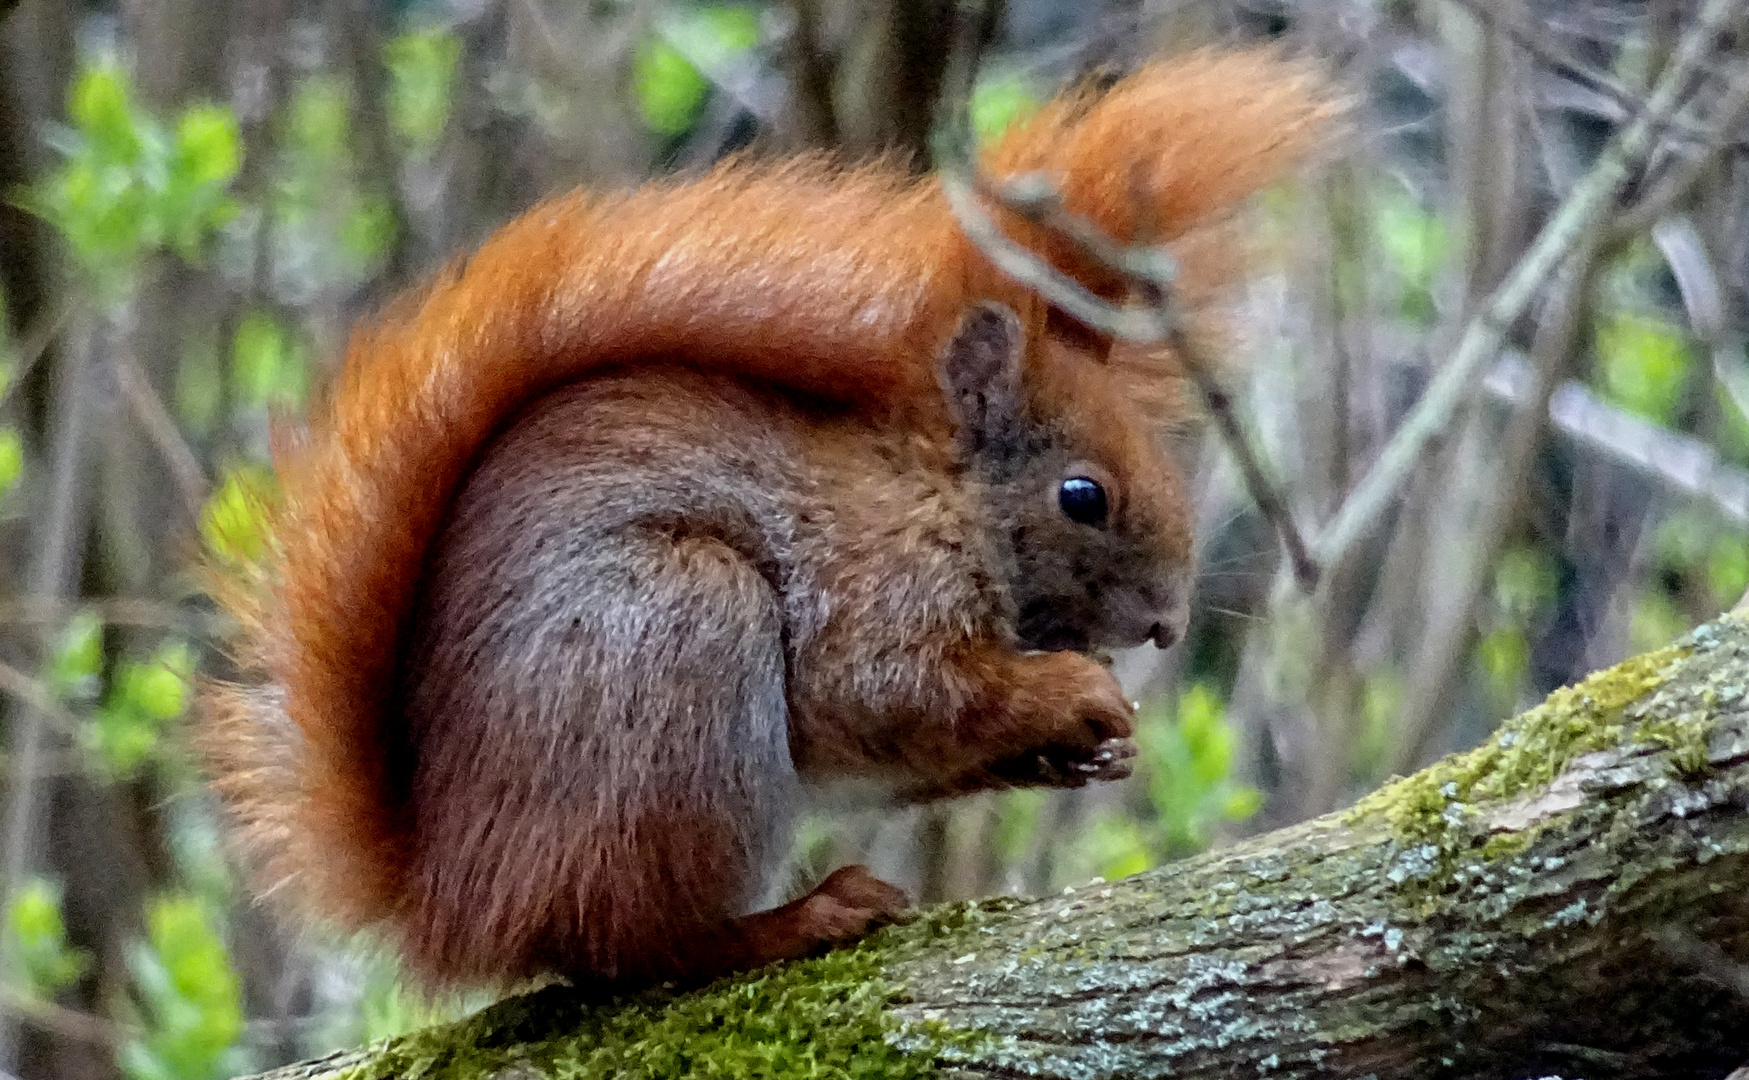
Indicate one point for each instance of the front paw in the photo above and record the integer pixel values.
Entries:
(1062, 767)
(1077, 725)
(1071, 705)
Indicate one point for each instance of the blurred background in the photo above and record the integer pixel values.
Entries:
(198, 197)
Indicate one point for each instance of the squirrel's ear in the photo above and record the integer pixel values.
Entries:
(980, 372)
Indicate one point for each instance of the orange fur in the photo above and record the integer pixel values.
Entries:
(839, 283)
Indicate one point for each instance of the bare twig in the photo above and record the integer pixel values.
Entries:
(1536, 41)
(115, 611)
(811, 75)
(1682, 464)
(1147, 269)
(57, 558)
(36, 696)
(1675, 185)
(59, 1020)
(1584, 209)
(33, 344)
(160, 427)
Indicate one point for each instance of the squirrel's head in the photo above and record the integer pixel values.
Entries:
(1088, 508)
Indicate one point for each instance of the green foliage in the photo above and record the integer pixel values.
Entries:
(329, 228)
(190, 1001)
(1524, 583)
(998, 101)
(1657, 621)
(127, 730)
(421, 67)
(42, 963)
(129, 184)
(1693, 548)
(1114, 846)
(1417, 246)
(1727, 568)
(1188, 757)
(76, 659)
(233, 524)
(1643, 363)
(11, 461)
(268, 365)
(1504, 654)
(669, 88)
(1018, 821)
(1381, 702)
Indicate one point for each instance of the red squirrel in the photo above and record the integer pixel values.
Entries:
(668, 505)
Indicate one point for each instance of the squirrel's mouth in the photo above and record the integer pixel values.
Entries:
(1062, 639)
(1048, 631)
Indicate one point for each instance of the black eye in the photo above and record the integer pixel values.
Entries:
(1082, 500)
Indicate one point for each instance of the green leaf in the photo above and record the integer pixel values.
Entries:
(1524, 583)
(1728, 569)
(1657, 621)
(43, 963)
(102, 109)
(209, 147)
(1115, 846)
(669, 89)
(160, 689)
(11, 460)
(1417, 245)
(268, 367)
(998, 101)
(1505, 656)
(319, 125)
(189, 997)
(1643, 363)
(118, 742)
(367, 231)
(77, 656)
(422, 74)
(233, 524)
(1188, 760)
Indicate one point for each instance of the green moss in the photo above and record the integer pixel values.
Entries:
(1529, 751)
(827, 1017)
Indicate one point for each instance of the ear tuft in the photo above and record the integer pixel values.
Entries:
(980, 372)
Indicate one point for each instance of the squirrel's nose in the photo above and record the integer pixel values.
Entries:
(1163, 636)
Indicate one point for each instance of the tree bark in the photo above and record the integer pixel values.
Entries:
(1572, 897)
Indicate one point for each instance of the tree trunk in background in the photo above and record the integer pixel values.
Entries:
(1569, 898)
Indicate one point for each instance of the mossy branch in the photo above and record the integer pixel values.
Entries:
(1572, 898)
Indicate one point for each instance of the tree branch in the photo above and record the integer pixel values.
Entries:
(1568, 898)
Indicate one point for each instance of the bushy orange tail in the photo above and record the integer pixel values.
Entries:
(829, 281)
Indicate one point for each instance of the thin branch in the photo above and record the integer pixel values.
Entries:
(1585, 208)
(58, 540)
(1680, 180)
(160, 427)
(115, 611)
(811, 75)
(1536, 41)
(33, 344)
(59, 1020)
(1683, 465)
(35, 695)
